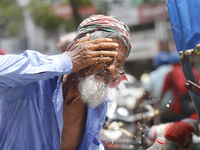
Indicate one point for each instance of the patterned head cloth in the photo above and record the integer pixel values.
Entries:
(104, 23)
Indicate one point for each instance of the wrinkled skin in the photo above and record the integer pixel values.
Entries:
(74, 109)
(108, 70)
(86, 53)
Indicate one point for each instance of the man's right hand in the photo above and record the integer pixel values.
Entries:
(193, 87)
(85, 53)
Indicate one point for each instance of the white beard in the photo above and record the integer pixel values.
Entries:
(92, 92)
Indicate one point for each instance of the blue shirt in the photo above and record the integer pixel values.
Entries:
(31, 103)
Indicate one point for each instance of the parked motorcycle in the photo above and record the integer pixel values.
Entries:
(124, 129)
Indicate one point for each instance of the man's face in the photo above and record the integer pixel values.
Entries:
(94, 86)
(106, 72)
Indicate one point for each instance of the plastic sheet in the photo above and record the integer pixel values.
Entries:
(184, 18)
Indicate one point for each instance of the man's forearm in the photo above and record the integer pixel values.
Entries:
(31, 66)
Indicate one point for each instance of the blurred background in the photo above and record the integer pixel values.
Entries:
(38, 24)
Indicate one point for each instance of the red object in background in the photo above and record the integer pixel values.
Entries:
(179, 131)
(194, 116)
(2, 52)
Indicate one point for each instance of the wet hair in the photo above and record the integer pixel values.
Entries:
(104, 34)
(110, 24)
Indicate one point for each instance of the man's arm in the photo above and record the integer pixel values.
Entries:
(31, 66)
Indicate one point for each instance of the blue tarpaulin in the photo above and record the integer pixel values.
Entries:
(184, 17)
(185, 22)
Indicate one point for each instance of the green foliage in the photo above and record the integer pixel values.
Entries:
(102, 6)
(10, 17)
(43, 15)
(69, 25)
(141, 2)
(83, 3)
(152, 1)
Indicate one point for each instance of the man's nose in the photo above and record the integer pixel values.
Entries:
(111, 69)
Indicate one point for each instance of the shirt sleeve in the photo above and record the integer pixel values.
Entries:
(32, 66)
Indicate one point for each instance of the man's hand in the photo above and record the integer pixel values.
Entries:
(86, 53)
(191, 86)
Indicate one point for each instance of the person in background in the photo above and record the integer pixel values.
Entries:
(154, 85)
(64, 41)
(179, 134)
(59, 102)
(181, 105)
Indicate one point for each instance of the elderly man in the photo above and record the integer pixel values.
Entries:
(59, 102)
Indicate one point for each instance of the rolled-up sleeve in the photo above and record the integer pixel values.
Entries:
(32, 66)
